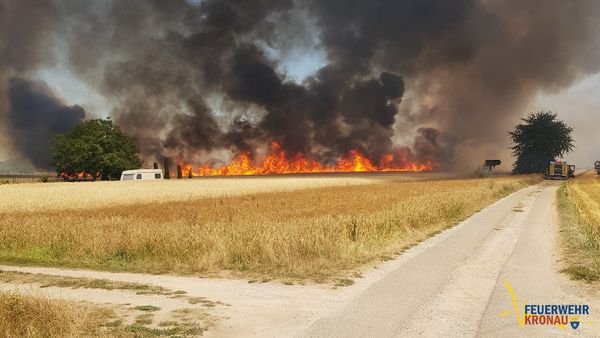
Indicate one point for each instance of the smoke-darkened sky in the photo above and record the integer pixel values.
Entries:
(203, 80)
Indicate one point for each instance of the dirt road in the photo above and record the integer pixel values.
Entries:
(451, 285)
(454, 286)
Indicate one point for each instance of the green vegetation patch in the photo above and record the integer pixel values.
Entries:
(147, 308)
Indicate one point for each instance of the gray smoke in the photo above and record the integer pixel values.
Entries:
(191, 78)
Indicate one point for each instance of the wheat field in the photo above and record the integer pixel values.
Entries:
(585, 193)
(90, 195)
(302, 228)
(579, 206)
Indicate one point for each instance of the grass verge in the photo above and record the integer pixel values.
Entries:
(579, 212)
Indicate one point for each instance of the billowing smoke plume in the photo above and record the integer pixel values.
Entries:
(22, 48)
(35, 114)
(195, 78)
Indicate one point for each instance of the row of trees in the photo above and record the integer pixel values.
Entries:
(101, 149)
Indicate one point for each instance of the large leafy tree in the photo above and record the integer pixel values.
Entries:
(94, 147)
(541, 137)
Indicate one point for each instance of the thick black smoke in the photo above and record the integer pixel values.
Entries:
(188, 54)
(24, 28)
(472, 65)
(35, 114)
(192, 79)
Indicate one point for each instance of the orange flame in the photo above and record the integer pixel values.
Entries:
(277, 162)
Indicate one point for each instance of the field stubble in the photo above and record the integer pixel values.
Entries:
(307, 232)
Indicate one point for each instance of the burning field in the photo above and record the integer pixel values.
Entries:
(278, 161)
(270, 227)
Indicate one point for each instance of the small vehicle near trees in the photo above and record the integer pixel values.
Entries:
(142, 175)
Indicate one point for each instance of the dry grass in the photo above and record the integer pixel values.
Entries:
(31, 316)
(91, 195)
(37, 316)
(579, 207)
(307, 233)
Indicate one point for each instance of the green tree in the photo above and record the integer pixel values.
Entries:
(95, 146)
(542, 137)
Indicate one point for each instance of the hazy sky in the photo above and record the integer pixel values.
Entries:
(579, 106)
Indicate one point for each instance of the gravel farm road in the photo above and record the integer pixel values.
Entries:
(456, 285)
(453, 284)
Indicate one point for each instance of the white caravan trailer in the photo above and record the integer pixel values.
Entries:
(142, 174)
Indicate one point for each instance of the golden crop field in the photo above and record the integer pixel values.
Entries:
(302, 228)
(579, 206)
(91, 195)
